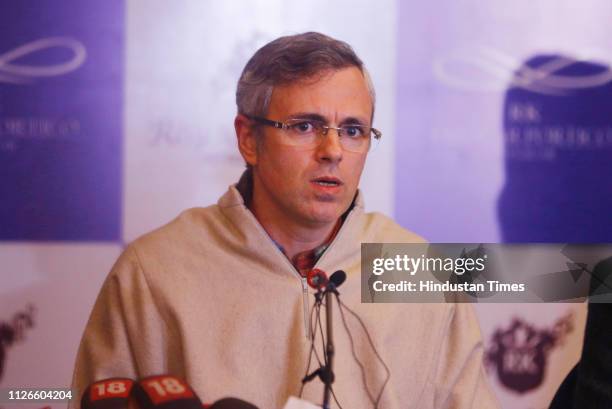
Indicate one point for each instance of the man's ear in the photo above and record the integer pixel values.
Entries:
(247, 139)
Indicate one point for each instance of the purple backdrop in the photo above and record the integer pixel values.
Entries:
(61, 70)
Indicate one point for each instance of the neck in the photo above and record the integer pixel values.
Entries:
(291, 234)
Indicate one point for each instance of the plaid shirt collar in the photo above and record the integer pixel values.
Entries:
(305, 261)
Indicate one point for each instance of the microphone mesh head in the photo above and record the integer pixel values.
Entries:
(338, 278)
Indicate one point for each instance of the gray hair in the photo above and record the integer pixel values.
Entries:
(289, 59)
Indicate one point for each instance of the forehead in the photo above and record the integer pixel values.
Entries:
(334, 95)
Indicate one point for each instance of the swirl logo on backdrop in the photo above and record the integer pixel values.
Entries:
(13, 332)
(488, 69)
(14, 73)
(519, 354)
(14, 129)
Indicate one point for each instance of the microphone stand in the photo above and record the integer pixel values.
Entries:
(328, 372)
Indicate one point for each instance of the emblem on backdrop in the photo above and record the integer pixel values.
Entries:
(519, 353)
(13, 332)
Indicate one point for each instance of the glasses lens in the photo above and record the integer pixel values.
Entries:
(355, 138)
(302, 132)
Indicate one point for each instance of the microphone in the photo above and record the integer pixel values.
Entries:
(111, 393)
(232, 403)
(336, 280)
(165, 392)
(317, 279)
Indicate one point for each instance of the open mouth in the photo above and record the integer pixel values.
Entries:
(327, 181)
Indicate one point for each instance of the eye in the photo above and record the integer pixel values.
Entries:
(353, 131)
(302, 127)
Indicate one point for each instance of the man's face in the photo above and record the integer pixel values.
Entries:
(295, 181)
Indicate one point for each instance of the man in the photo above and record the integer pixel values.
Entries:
(219, 295)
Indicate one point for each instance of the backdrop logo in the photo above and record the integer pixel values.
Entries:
(519, 354)
(15, 73)
(488, 69)
(14, 332)
(212, 139)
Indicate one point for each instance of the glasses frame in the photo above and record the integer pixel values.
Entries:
(326, 128)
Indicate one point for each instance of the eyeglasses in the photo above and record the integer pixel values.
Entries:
(309, 133)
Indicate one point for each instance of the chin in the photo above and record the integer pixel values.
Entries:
(325, 220)
(325, 216)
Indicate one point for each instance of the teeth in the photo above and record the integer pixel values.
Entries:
(323, 183)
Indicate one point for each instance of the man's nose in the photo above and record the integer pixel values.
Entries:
(330, 148)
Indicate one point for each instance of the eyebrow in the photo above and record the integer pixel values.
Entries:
(308, 115)
(318, 117)
(353, 121)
